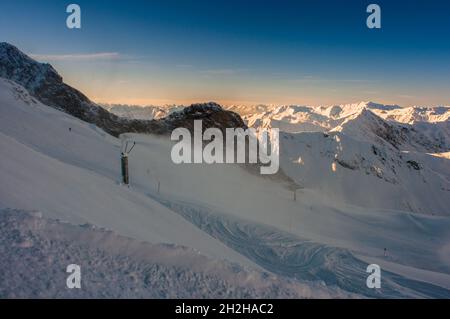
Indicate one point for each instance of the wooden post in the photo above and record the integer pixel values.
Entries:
(125, 176)
(295, 195)
(124, 161)
(159, 185)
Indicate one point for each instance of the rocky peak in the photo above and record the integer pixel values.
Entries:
(211, 114)
(17, 66)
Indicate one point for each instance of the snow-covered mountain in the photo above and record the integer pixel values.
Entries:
(373, 190)
(426, 128)
(138, 112)
(368, 127)
(408, 115)
(366, 153)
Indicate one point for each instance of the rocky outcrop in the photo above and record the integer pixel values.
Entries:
(45, 84)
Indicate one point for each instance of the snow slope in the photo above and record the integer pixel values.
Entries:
(114, 266)
(221, 211)
(412, 240)
(379, 176)
(72, 175)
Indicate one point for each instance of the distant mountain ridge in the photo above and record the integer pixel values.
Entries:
(412, 128)
(138, 112)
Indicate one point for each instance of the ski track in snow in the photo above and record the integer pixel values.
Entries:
(289, 256)
(35, 252)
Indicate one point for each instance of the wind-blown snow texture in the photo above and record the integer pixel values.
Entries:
(372, 177)
(36, 251)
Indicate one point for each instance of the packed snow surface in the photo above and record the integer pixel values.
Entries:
(114, 266)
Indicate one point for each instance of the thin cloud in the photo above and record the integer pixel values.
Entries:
(314, 79)
(370, 92)
(77, 57)
(220, 71)
(184, 66)
(317, 79)
(406, 96)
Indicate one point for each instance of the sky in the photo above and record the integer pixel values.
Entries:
(240, 51)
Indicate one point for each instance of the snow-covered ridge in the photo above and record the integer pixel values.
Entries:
(20, 68)
(397, 113)
(138, 112)
(414, 128)
(297, 113)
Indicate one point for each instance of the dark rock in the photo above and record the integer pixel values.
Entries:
(45, 84)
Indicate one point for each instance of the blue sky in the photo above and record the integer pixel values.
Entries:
(303, 52)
